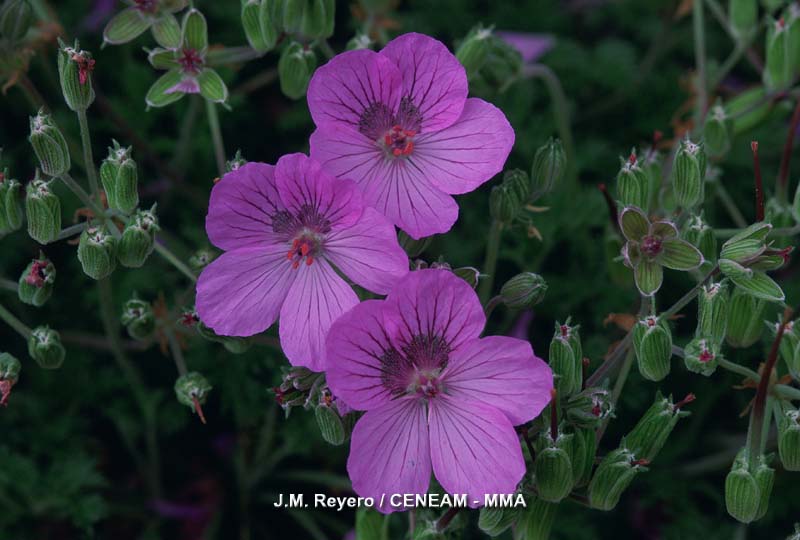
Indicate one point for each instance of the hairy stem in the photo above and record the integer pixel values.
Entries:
(216, 136)
(490, 261)
(739, 369)
(782, 187)
(701, 85)
(9, 285)
(729, 204)
(86, 141)
(19, 327)
(174, 261)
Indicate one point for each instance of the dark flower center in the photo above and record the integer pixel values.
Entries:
(394, 133)
(651, 245)
(146, 6)
(190, 61)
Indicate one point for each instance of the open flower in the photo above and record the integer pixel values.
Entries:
(437, 395)
(399, 123)
(651, 246)
(157, 15)
(288, 231)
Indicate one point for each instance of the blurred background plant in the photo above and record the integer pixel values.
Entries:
(101, 448)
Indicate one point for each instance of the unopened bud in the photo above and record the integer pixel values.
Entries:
(745, 319)
(566, 359)
(9, 375)
(358, 42)
(10, 208)
(328, 420)
(743, 16)
(474, 50)
(43, 208)
(712, 312)
(702, 237)
(652, 343)
(553, 468)
(236, 345)
(138, 319)
(504, 203)
(778, 66)
(717, 131)
(538, 519)
(138, 239)
(789, 439)
(584, 450)
(633, 183)
(748, 244)
(748, 487)
(49, 145)
(651, 432)
(75, 68)
(688, 174)
(548, 168)
(236, 162)
(589, 408)
(295, 67)
(612, 478)
(495, 520)
(523, 291)
(36, 282)
(200, 259)
(120, 179)
(16, 17)
(262, 37)
(192, 390)
(44, 346)
(97, 250)
(701, 356)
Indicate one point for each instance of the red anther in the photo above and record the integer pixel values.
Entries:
(290, 255)
(309, 260)
(685, 401)
(657, 136)
(296, 265)
(5, 391)
(304, 249)
(396, 152)
(632, 158)
(641, 462)
(409, 132)
(295, 243)
(198, 409)
(387, 139)
(408, 148)
(706, 356)
(596, 410)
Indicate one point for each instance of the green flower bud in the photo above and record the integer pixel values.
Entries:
(501, 68)
(329, 422)
(523, 291)
(504, 203)
(120, 179)
(36, 282)
(553, 468)
(254, 31)
(359, 41)
(566, 359)
(200, 259)
(778, 65)
(138, 319)
(789, 348)
(9, 375)
(495, 520)
(235, 345)
(748, 487)
(16, 17)
(548, 167)
(97, 251)
(44, 346)
(651, 432)
(518, 182)
(702, 237)
(633, 183)
(712, 312)
(652, 343)
(651, 162)
(589, 408)
(295, 68)
(612, 478)
(10, 209)
(745, 316)
(717, 131)
(43, 208)
(192, 390)
(584, 450)
(789, 439)
(748, 109)
(753, 280)
(747, 245)
(743, 16)
(138, 239)
(236, 162)
(75, 73)
(702, 356)
(765, 478)
(688, 174)
(49, 145)
(474, 50)
(538, 519)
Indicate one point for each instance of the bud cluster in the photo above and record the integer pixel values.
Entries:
(748, 487)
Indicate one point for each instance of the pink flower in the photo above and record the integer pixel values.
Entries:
(288, 232)
(400, 125)
(437, 395)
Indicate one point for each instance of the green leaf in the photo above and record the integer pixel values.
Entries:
(634, 223)
(759, 285)
(162, 59)
(648, 275)
(157, 95)
(212, 86)
(195, 31)
(679, 255)
(125, 26)
(167, 31)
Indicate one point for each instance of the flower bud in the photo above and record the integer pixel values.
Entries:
(43, 208)
(748, 487)
(589, 408)
(633, 184)
(538, 519)
(233, 344)
(745, 317)
(753, 280)
(36, 282)
(584, 450)
(702, 237)
(789, 348)
(495, 520)
(504, 203)
(120, 179)
(743, 16)
(474, 50)
(652, 343)
(138, 319)
(328, 420)
(553, 468)
(138, 239)
(295, 67)
(652, 430)
(236, 162)
(778, 66)
(501, 68)
(49, 145)
(10, 209)
(701, 356)
(523, 291)
(470, 274)
(612, 478)
(16, 17)
(318, 19)
(548, 167)
(75, 73)
(688, 174)
(44, 346)
(748, 244)
(712, 312)
(192, 390)
(261, 37)
(97, 252)
(789, 439)
(717, 131)
(299, 388)
(796, 535)
(200, 259)
(357, 42)
(566, 359)
(9, 375)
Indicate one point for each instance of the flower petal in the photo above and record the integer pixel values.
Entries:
(159, 94)
(396, 188)
(167, 31)
(349, 84)
(463, 156)
(241, 292)
(356, 345)
(633, 223)
(648, 275)
(211, 86)
(368, 252)
(503, 373)
(433, 79)
(679, 255)
(302, 182)
(126, 26)
(241, 207)
(390, 452)
(474, 449)
(317, 297)
(435, 302)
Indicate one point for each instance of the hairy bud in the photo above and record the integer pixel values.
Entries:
(495, 520)
(702, 237)
(612, 478)
(584, 450)
(9, 375)
(49, 145)
(36, 282)
(97, 251)
(43, 208)
(748, 487)
(474, 50)
(789, 438)
(138, 239)
(652, 430)
(688, 174)
(16, 17)
(10, 208)
(589, 408)
(295, 67)
(44, 346)
(633, 183)
(138, 319)
(538, 519)
(717, 131)
(701, 356)
(201, 258)
(745, 319)
(329, 420)
(259, 28)
(712, 312)
(120, 179)
(75, 68)
(548, 168)
(523, 291)
(652, 343)
(566, 359)
(553, 474)
(778, 72)
(192, 390)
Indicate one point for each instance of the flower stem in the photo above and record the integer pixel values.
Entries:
(175, 349)
(733, 210)
(444, 521)
(326, 49)
(490, 261)
(700, 62)
(739, 369)
(758, 182)
(492, 304)
(72, 230)
(79, 192)
(9, 285)
(216, 136)
(782, 188)
(86, 141)
(787, 392)
(174, 261)
(20, 327)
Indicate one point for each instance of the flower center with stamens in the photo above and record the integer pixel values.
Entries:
(651, 245)
(304, 248)
(146, 6)
(190, 61)
(426, 385)
(398, 141)
(37, 274)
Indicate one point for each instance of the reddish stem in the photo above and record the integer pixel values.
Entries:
(685, 401)
(759, 183)
(553, 414)
(783, 176)
(612, 206)
(198, 409)
(585, 367)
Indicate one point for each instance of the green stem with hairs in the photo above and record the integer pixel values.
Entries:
(787, 392)
(490, 261)
(738, 369)
(216, 136)
(699, 33)
(174, 261)
(86, 142)
(9, 285)
(19, 327)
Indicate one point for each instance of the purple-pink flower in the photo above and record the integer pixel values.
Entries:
(438, 397)
(399, 123)
(288, 232)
